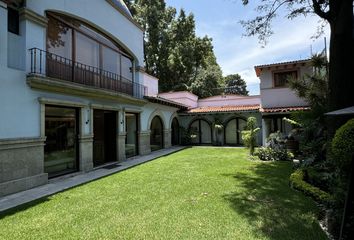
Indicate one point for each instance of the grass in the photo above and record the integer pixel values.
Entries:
(197, 193)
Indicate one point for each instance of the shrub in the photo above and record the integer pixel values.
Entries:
(297, 182)
(343, 145)
(249, 135)
(270, 154)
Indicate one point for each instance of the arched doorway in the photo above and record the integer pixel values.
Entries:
(156, 135)
(175, 132)
(200, 131)
(233, 131)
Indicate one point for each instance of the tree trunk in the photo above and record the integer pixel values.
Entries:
(341, 61)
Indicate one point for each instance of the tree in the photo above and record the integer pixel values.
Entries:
(172, 51)
(249, 135)
(234, 84)
(339, 15)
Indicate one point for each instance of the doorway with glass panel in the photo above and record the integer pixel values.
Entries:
(131, 129)
(61, 146)
(104, 137)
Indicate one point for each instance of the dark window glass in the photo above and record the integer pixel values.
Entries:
(281, 78)
(127, 68)
(13, 22)
(131, 128)
(87, 50)
(68, 37)
(61, 142)
(110, 60)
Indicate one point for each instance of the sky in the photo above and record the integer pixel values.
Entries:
(235, 53)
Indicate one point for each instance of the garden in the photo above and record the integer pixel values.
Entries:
(197, 193)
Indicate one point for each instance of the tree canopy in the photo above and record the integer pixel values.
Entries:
(173, 53)
(234, 84)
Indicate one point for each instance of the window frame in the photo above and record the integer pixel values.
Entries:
(118, 49)
(274, 73)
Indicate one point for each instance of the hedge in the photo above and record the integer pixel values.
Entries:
(297, 182)
(343, 145)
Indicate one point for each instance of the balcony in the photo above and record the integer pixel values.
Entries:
(60, 69)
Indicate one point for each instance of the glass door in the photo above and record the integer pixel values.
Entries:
(61, 130)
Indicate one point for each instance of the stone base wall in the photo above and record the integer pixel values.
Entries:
(121, 147)
(21, 164)
(86, 153)
(167, 138)
(144, 143)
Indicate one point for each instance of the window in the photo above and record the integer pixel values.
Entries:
(281, 78)
(75, 40)
(13, 22)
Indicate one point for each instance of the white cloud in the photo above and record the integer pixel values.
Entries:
(236, 54)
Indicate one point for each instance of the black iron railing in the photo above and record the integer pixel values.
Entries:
(57, 67)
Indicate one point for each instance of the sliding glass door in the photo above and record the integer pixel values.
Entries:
(61, 130)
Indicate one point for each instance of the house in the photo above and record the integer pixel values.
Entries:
(277, 99)
(73, 91)
(74, 94)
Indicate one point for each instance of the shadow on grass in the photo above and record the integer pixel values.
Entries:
(264, 198)
(23, 207)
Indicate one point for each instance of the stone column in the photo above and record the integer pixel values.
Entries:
(121, 146)
(21, 164)
(86, 153)
(3, 34)
(167, 138)
(144, 142)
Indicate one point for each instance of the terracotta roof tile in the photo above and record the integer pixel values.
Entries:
(224, 109)
(284, 109)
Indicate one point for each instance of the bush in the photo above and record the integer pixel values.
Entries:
(343, 145)
(297, 182)
(270, 154)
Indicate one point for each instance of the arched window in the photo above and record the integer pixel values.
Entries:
(233, 131)
(200, 131)
(175, 132)
(156, 135)
(76, 43)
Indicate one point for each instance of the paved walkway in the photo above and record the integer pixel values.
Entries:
(61, 184)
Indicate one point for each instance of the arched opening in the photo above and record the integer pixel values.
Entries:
(156, 135)
(233, 131)
(200, 131)
(175, 132)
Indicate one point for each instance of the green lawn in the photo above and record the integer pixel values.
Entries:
(197, 193)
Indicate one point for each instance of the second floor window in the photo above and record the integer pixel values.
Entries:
(74, 40)
(281, 78)
(13, 21)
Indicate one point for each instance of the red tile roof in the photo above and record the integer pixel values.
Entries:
(224, 109)
(284, 109)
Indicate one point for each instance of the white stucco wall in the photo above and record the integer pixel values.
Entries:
(184, 97)
(20, 108)
(152, 84)
(280, 97)
(152, 109)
